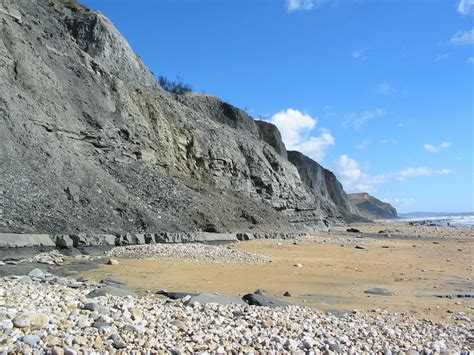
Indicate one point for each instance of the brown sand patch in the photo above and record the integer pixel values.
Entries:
(333, 277)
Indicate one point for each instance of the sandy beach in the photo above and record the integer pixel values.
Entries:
(334, 272)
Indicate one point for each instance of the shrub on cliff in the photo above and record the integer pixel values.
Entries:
(175, 87)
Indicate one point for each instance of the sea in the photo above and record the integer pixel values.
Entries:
(465, 220)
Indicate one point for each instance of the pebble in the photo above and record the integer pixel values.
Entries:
(31, 340)
(193, 251)
(75, 325)
(36, 273)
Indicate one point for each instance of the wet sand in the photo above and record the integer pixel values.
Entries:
(334, 275)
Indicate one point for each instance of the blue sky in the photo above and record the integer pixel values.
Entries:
(380, 92)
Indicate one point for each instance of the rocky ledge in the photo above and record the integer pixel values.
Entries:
(41, 312)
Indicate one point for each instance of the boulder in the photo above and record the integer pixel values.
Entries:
(254, 299)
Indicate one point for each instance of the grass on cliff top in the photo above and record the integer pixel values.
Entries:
(70, 4)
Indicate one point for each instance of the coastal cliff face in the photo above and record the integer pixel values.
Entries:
(322, 182)
(372, 208)
(89, 142)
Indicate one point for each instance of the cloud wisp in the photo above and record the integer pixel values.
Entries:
(437, 148)
(442, 57)
(357, 120)
(385, 89)
(466, 7)
(297, 131)
(463, 38)
(299, 5)
(359, 54)
(354, 179)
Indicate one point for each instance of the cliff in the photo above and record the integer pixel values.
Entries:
(323, 183)
(89, 142)
(372, 208)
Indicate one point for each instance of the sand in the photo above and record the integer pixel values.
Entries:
(333, 276)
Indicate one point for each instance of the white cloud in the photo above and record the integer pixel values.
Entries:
(463, 38)
(354, 179)
(357, 120)
(296, 128)
(466, 7)
(316, 147)
(300, 5)
(442, 57)
(359, 54)
(470, 60)
(351, 175)
(437, 148)
(385, 89)
(388, 141)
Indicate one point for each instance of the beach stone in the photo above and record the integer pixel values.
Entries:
(176, 295)
(21, 321)
(31, 340)
(204, 298)
(119, 345)
(379, 292)
(91, 306)
(263, 301)
(111, 290)
(353, 230)
(99, 324)
(361, 247)
(113, 282)
(298, 265)
(335, 347)
(112, 262)
(287, 294)
(37, 273)
(6, 324)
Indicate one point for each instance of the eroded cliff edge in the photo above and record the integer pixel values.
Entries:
(90, 143)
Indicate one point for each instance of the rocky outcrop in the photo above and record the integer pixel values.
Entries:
(322, 182)
(371, 208)
(271, 135)
(89, 143)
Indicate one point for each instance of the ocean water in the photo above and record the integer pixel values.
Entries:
(455, 220)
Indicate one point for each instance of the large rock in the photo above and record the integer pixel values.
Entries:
(12, 240)
(256, 299)
(204, 298)
(110, 290)
(371, 208)
(89, 143)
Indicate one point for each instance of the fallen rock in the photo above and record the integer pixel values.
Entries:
(353, 230)
(111, 290)
(113, 282)
(39, 274)
(204, 298)
(176, 295)
(379, 292)
(264, 301)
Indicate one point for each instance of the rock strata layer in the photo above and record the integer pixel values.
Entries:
(90, 143)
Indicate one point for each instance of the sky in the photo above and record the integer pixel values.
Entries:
(378, 91)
